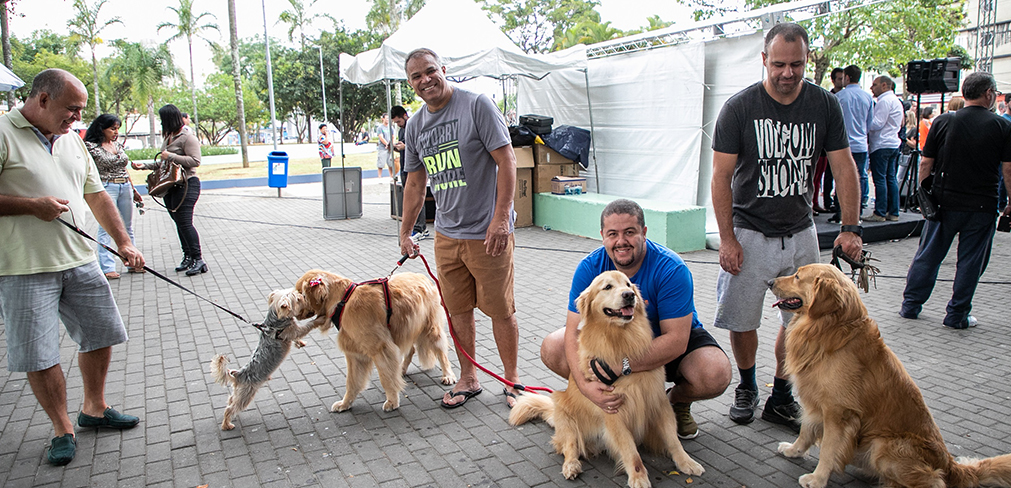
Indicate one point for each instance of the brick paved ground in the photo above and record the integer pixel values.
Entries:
(255, 242)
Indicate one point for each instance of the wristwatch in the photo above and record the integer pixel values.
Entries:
(626, 369)
(856, 229)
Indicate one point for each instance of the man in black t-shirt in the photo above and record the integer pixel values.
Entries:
(968, 150)
(767, 140)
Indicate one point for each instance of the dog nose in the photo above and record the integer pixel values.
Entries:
(770, 283)
(628, 295)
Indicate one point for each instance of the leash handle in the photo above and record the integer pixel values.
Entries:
(153, 272)
(456, 342)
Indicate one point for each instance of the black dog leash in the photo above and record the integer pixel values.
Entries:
(863, 267)
(159, 275)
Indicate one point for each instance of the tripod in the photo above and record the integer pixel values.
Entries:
(911, 180)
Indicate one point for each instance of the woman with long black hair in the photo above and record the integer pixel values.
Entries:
(111, 160)
(181, 147)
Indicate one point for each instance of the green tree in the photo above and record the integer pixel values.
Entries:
(534, 25)
(882, 36)
(233, 42)
(382, 22)
(587, 32)
(46, 49)
(217, 100)
(142, 70)
(86, 27)
(361, 103)
(298, 18)
(189, 26)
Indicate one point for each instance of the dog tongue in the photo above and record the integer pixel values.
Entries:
(627, 311)
(774, 305)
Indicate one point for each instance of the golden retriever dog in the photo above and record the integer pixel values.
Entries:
(860, 404)
(278, 333)
(416, 325)
(614, 326)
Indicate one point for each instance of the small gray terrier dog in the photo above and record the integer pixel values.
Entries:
(278, 333)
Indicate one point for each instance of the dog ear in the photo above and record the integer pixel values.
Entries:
(826, 298)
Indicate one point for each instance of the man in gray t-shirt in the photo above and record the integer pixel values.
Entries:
(459, 141)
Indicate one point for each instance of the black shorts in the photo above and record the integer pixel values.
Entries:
(699, 338)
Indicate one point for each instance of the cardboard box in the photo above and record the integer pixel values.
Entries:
(544, 172)
(545, 155)
(568, 185)
(523, 199)
(524, 156)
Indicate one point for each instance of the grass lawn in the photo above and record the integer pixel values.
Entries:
(258, 169)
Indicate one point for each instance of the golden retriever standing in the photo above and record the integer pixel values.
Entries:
(416, 325)
(614, 326)
(859, 402)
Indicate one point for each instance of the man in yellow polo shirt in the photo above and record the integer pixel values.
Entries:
(47, 272)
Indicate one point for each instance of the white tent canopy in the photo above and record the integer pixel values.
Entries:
(468, 42)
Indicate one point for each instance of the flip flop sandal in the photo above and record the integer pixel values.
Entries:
(466, 394)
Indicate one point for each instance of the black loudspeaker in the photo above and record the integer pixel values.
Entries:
(917, 73)
(944, 73)
(936, 76)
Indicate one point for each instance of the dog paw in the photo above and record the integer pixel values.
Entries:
(571, 469)
(300, 344)
(690, 467)
(810, 480)
(449, 378)
(339, 407)
(640, 481)
(226, 425)
(389, 406)
(787, 449)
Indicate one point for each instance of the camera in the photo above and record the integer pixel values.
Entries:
(1004, 223)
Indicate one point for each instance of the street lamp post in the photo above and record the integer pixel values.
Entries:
(322, 83)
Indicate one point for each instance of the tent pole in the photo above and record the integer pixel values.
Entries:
(593, 136)
(340, 92)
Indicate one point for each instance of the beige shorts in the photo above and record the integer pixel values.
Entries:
(471, 278)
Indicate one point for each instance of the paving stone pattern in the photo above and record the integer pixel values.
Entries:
(255, 242)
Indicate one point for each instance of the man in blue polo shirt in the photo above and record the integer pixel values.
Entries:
(858, 114)
(693, 360)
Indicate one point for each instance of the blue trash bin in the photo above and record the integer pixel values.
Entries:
(277, 169)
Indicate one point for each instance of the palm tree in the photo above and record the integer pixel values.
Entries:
(85, 27)
(5, 41)
(299, 18)
(188, 27)
(146, 68)
(380, 18)
(233, 38)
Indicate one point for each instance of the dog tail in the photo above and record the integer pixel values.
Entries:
(967, 472)
(220, 371)
(530, 406)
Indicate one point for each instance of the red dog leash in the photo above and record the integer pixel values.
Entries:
(456, 342)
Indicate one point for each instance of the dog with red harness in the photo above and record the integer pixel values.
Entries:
(380, 323)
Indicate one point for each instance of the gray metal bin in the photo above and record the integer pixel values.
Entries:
(342, 193)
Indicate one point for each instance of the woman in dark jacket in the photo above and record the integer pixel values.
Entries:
(182, 147)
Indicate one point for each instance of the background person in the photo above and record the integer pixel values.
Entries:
(400, 117)
(883, 142)
(474, 211)
(971, 146)
(691, 357)
(101, 139)
(383, 159)
(326, 150)
(767, 230)
(857, 112)
(48, 272)
(181, 147)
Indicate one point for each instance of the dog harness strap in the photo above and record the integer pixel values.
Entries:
(385, 282)
(608, 380)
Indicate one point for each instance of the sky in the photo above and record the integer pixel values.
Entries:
(141, 17)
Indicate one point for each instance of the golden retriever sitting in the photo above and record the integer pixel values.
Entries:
(416, 324)
(614, 326)
(859, 402)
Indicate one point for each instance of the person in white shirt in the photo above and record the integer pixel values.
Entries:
(883, 141)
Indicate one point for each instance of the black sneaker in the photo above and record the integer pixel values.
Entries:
(745, 403)
(787, 414)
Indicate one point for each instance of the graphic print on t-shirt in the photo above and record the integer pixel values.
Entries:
(439, 150)
(785, 156)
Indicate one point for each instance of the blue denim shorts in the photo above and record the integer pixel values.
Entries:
(33, 305)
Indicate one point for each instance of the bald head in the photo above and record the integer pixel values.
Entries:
(55, 101)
